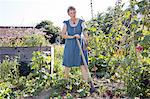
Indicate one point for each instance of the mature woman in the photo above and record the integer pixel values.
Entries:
(74, 29)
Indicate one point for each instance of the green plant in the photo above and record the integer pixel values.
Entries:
(58, 57)
(35, 40)
(119, 41)
(10, 82)
(40, 77)
(35, 82)
(5, 91)
(72, 87)
(9, 70)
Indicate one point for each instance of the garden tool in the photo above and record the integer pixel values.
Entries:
(92, 89)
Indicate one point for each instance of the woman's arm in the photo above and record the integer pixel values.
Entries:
(63, 33)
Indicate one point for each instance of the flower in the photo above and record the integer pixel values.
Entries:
(139, 48)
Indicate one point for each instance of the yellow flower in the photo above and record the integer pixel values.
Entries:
(118, 53)
(88, 48)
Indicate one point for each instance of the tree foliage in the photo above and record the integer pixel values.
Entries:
(50, 29)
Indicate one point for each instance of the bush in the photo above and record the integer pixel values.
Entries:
(27, 40)
(35, 40)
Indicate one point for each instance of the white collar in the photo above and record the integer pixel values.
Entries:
(73, 25)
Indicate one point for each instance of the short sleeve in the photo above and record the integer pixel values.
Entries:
(65, 23)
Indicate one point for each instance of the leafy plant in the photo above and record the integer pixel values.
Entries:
(119, 40)
(5, 91)
(40, 77)
(69, 87)
(9, 70)
(35, 40)
(58, 57)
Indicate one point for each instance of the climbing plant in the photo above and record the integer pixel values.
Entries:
(119, 45)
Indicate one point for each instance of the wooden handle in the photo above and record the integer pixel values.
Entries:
(83, 58)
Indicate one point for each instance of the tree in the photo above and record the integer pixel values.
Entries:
(50, 29)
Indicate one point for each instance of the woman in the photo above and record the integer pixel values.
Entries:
(74, 29)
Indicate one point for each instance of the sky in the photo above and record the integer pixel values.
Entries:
(31, 12)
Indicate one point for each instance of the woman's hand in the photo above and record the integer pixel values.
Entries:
(71, 37)
(77, 36)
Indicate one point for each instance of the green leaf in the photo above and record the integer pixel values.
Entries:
(145, 54)
(127, 14)
(93, 29)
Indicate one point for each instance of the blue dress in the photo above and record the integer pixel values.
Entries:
(72, 56)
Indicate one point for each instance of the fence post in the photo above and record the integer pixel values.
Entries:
(52, 59)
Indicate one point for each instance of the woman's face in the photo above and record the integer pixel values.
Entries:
(72, 13)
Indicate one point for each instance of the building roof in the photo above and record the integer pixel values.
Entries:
(18, 31)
